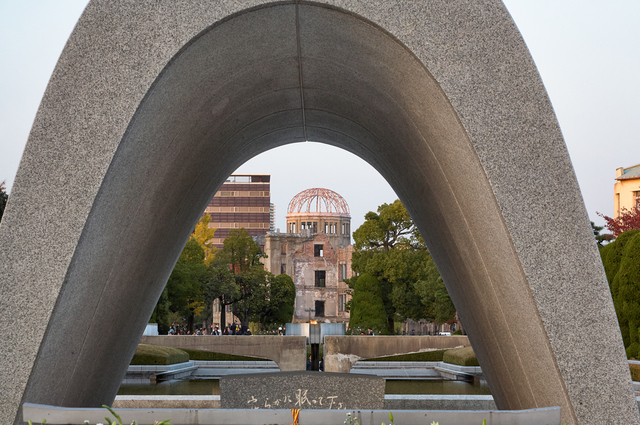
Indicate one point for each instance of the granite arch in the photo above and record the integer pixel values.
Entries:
(153, 104)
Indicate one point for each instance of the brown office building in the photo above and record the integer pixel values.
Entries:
(243, 201)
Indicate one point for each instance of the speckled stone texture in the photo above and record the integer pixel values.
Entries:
(154, 103)
(302, 390)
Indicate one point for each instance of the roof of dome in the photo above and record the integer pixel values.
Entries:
(318, 201)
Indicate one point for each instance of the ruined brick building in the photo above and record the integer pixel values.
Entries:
(316, 252)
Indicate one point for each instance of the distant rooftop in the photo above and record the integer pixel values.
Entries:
(248, 178)
(628, 173)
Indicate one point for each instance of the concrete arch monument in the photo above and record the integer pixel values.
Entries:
(154, 103)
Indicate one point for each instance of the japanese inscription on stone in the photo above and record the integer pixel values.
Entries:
(300, 400)
(301, 390)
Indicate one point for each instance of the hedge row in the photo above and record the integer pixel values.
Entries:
(461, 356)
(423, 356)
(621, 260)
(211, 356)
(147, 354)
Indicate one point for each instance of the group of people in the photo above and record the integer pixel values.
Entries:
(215, 330)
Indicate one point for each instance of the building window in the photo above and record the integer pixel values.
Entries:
(343, 272)
(637, 198)
(283, 269)
(283, 249)
(319, 308)
(320, 278)
(318, 251)
(342, 302)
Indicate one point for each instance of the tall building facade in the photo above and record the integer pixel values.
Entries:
(316, 253)
(243, 201)
(626, 191)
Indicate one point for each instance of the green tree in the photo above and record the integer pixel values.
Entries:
(4, 196)
(367, 308)
(434, 296)
(390, 226)
(282, 297)
(248, 292)
(254, 292)
(621, 260)
(161, 313)
(240, 252)
(600, 238)
(185, 287)
(390, 248)
(183, 294)
(221, 286)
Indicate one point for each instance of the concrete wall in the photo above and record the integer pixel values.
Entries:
(59, 416)
(342, 352)
(289, 352)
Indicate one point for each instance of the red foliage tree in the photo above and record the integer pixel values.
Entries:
(628, 219)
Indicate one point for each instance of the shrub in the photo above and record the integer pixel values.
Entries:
(461, 356)
(621, 260)
(632, 350)
(211, 356)
(147, 354)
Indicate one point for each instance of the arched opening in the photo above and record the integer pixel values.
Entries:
(268, 77)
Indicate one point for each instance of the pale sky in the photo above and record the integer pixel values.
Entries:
(586, 51)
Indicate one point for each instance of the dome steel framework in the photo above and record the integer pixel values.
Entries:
(318, 201)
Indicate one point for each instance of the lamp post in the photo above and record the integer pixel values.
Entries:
(310, 310)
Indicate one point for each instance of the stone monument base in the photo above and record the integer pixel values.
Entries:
(301, 390)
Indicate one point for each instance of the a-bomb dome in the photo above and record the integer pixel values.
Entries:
(318, 201)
